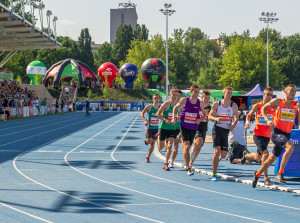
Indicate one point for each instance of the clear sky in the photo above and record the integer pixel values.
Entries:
(211, 16)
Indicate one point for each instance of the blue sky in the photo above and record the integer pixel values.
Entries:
(211, 16)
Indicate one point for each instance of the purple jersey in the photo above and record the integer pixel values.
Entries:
(190, 114)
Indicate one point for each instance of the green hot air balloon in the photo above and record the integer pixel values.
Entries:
(36, 71)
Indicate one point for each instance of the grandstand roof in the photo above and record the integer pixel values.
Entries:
(18, 34)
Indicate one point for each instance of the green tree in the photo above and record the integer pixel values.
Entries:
(141, 32)
(210, 74)
(103, 54)
(244, 65)
(124, 36)
(85, 49)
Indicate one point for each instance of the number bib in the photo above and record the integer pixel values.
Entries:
(190, 118)
(262, 121)
(287, 115)
(226, 118)
(154, 121)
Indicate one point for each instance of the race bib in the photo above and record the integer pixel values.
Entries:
(154, 121)
(287, 115)
(170, 116)
(262, 121)
(190, 118)
(226, 118)
(201, 115)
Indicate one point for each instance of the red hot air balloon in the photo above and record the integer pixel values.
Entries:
(110, 70)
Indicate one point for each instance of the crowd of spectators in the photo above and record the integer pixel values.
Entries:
(13, 95)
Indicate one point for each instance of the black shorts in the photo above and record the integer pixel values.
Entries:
(151, 133)
(261, 142)
(177, 132)
(220, 137)
(166, 133)
(187, 134)
(236, 151)
(279, 138)
(202, 134)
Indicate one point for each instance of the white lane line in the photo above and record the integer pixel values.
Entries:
(25, 213)
(139, 192)
(74, 197)
(43, 133)
(148, 204)
(203, 189)
(48, 151)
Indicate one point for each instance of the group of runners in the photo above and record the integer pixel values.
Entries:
(186, 119)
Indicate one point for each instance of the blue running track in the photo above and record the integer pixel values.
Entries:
(72, 168)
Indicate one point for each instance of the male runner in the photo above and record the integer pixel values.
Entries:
(221, 113)
(262, 132)
(177, 131)
(189, 121)
(202, 128)
(287, 110)
(167, 129)
(151, 124)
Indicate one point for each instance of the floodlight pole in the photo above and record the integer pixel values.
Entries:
(167, 12)
(269, 17)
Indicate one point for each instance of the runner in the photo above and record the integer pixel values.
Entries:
(202, 128)
(222, 113)
(282, 125)
(151, 125)
(177, 131)
(167, 129)
(189, 121)
(262, 132)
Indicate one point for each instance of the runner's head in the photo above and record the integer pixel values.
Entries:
(195, 90)
(173, 94)
(268, 94)
(156, 98)
(227, 92)
(290, 91)
(179, 94)
(205, 96)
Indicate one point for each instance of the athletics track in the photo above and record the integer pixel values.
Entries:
(69, 168)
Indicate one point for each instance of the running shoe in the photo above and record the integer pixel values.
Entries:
(171, 165)
(243, 160)
(146, 142)
(280, 178)
(191, 166)
(166, 167)
(214, 178)
(190, 172)
(267, 182)
(254, 182)
(147, 160)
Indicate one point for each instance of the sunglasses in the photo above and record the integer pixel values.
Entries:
(269, 94)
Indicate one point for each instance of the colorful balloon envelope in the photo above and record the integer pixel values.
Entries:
(153, 71)
(108, 72)
(129, 72)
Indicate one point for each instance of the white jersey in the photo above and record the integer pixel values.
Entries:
(226, 114)
(238, 134)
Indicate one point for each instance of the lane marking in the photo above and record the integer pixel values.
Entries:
(25, 213)
(74, 197)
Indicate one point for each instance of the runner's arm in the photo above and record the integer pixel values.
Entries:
(248, 117)
(213, 112)
(275, 102)
(235, 116)
(161, 110)
(180, 104)
(146, 110)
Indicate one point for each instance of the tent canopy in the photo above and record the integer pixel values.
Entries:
(256, 92)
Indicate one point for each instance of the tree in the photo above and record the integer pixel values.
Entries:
(103, 54)
(141, 32)
(244, 65)
(85, 49)
(124, 36)
(209, 75)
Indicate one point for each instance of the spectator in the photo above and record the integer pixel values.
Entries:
(67, 89)
(87, 108)
(62, 104)
(3, 111)
(101, 105)
(56, 106)
(44, 102)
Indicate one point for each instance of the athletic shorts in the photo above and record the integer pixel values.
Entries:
(202, 134)
(236, 151)
(187, 134)
(261, 142)
(279, 138)
(176, 134)
(166, 133)
(151, 133)
(220, 137)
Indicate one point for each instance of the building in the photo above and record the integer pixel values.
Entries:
(124, 14)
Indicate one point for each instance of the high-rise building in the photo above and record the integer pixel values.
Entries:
(124, 14)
